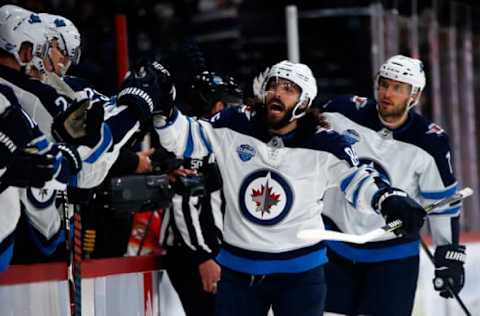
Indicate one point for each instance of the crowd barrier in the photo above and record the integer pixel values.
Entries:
(137, 286)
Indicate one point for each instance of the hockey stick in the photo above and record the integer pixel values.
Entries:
(322, 234)
(449, 288)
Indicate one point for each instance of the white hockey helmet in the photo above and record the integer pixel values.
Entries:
(69, 37)
(301, 75)
(20, 26)
(404, 69)
(11, 10)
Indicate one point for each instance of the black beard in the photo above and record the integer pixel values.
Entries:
(276, 125)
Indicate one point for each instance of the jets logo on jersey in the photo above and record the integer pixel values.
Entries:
(372, 166)
(246, 152)
(435, 129)
(265, 197)
(360, 102)
(41, 198)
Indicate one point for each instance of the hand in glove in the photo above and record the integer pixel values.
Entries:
(80, 123)
(148, 89)
(449, 261)
(394, 204)
(28, 169)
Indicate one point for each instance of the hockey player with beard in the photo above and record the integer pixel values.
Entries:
(276, 163)
(413, 154)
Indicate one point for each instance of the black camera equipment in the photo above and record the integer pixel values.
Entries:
(138, 193)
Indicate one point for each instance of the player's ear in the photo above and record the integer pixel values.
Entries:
(416, 98)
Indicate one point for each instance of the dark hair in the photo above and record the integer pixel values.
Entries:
(315, 117)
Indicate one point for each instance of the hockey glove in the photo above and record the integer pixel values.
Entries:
(148, 89)
(394, 204)
(16, 131)
(449, 261)
(28, 169)
(72, 157)
(80, 124)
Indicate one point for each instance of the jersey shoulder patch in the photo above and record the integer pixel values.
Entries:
(332, 142)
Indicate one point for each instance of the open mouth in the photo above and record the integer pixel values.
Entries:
(276, 107)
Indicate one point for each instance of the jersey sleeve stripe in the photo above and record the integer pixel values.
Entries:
(449, 211)
(103, 145)
(346, 181)
(357, 191)
(437, 195)
(189, 148)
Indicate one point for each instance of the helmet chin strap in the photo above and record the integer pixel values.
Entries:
(300, 106)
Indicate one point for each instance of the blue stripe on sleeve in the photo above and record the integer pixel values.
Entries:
(105, 143)
(357, 191)
(438, 195)
(449, 211)
(189, 148)
(346, 182)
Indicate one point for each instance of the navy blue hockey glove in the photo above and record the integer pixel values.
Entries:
(149, 90)
(28, 169)
(15, 132)
(394, 204)
(449, 261)
(72, 157)
(80, 123)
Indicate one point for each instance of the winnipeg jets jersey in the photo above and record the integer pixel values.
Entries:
(43, 102)
(273, 186)
(119, 126)
(46, 223)
(416, 158)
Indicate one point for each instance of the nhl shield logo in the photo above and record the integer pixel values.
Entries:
(265, 197)
(245, 152)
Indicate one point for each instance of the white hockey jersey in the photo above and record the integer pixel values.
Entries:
(415, 158)
(273, 186)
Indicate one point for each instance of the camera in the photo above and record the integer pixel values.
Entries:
(190, 185)
(138, 193)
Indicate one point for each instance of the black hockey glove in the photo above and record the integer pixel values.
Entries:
(148, 89)
(449, 261)
(394, 204)
(80, 123)
(28, 169)
(72, 157)
(15, 132)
